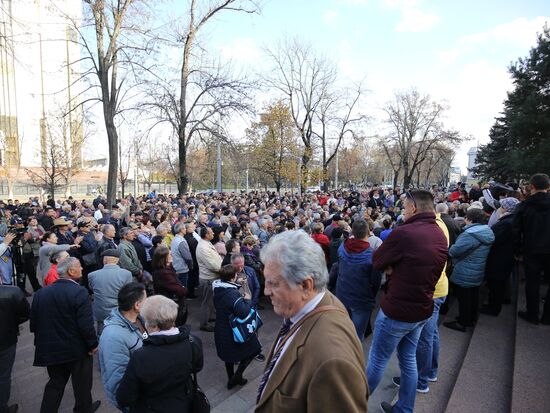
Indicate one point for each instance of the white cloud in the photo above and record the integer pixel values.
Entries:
(330, 16)
(243, 49)
(449, 56)
(413, 19)
(353, 2)
(520, 32)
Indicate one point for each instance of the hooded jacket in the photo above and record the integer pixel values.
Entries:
(119, 339)
(469, 254)
(532, 225)
(357, 282)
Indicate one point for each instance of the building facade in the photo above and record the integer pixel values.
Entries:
(40, 87)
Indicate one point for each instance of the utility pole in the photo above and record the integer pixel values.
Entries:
(247, 181)
(135, 169)
(219, 167)
(336, 172)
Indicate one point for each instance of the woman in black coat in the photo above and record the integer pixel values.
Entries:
(228, 300)
(158, 376)
(500, 261)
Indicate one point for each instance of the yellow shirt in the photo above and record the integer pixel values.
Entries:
(442, 286)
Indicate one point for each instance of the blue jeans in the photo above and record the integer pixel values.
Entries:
(427, 352)
(182, 277)
(360, 319)
(388, 335)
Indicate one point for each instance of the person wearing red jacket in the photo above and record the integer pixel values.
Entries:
(321, 239)
(413, 257)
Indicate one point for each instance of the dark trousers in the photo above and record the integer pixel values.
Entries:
(497, 293)
(192, 282)
(535, 266)
(80, 372)
(468, 304)
(29, 266)
(7, 358)
(229, 368)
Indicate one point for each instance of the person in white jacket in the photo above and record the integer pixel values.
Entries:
(210, 263)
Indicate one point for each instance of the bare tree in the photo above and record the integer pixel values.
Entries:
(416, 128)
(338, 117)
(63, 157)
(304, 79)
(205, 92)
(111, 57)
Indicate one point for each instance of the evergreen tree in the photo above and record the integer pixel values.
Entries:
(519, 143)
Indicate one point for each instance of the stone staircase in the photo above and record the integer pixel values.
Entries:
(502, 366)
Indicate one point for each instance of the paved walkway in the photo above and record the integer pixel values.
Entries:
(28, 382)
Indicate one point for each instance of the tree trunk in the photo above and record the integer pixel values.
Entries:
(10, 188)
(183, 179)
(113, 154)
(306, 156)
(122, 185)
(395, 178)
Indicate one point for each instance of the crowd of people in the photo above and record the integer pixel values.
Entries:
(115, 280)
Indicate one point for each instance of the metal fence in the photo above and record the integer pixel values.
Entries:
(28, 190)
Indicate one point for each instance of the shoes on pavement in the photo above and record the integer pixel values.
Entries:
(432, 379)
(95, 405)
(386, 407)
(208, 328)
(488, 311)
(13, 408)
(397, 382)
(525, 316)
(455, 325)
(236, 380)
(260, 357)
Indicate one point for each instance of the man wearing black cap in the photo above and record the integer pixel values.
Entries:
(105, 285)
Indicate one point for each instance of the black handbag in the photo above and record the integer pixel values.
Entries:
(200, 403)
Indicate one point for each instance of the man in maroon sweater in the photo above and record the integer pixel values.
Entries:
(413, 257)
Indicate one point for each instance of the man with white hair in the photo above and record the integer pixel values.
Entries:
(317, 357)
(65, 338)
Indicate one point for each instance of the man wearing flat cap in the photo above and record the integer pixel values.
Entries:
(105, 284)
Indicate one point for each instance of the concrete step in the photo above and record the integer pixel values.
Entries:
(531, 377)
(453, 348)
(484, 383)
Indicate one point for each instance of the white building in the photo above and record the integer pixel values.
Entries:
(39, 74)
(472, 153)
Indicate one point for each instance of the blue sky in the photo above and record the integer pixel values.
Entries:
(456, 51)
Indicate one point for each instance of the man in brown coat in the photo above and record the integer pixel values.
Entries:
(316, 363)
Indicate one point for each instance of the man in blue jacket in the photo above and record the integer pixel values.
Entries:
(123, 334)
(357, 282)
(65, 338)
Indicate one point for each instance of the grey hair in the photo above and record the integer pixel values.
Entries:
(178, 227)
(65, 265)
(299, 256)
(235, 257)
(159, 312)
(125, 231)
(106, 227)
(188, 226)
(441, 208)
